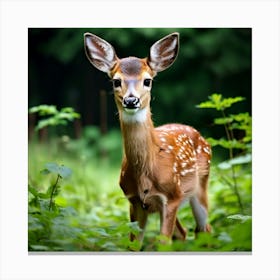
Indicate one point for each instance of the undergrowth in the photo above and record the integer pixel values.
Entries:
(75, 203)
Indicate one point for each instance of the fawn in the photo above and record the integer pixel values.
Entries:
(161, 166)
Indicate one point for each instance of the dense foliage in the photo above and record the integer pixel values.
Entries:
(88, 211)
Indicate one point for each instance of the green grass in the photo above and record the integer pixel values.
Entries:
(91, 212)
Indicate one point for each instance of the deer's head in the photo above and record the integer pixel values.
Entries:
(131, 76)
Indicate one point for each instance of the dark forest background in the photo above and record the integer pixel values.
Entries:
(210, 60)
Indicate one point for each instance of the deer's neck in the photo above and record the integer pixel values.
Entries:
(139, 141)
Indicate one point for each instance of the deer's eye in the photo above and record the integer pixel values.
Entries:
(147, 82)
(117, 83)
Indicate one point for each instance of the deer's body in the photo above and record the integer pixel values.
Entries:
(161, 166)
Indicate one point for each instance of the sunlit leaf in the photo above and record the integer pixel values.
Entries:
(40, 248)
(64, 171)
(240, 217)
(52, 167)
(44, 110)
(223, 121)
(223, 236)
(61, 170)
(216, 101)
(235, 161)
(54, 116)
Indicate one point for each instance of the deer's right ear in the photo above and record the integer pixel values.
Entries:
(100, 53)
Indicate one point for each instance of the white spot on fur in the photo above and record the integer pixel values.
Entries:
(183, 164)
(192, 159)
(178, 182)
(206, 150)
(186, 171)
(175, 165)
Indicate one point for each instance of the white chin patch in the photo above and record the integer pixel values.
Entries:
(136, 115)
(131, 111)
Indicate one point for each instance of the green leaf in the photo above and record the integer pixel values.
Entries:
(206, 104)
(223, 121)
(56, 117)
(53, 121)
(45, 171)
(227, 102)
(242, 117)
(52, 167)
(219, 103)
(214, 102)
(33, 191)
(61, 170)
(241, 159)
(40, 247)
(70, 112)
(235, 161)
(134, 227)
(225, 237)
(43, 195)
(64, 172)
(67, 110)
(227, 144)
(240, 217)
(134, 245)
(44, 110)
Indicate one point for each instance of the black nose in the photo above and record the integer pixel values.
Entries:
(131, 102)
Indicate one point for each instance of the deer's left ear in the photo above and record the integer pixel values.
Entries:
(164, 52)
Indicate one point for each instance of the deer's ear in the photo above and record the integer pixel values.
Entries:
(100, 53)
(164, 52)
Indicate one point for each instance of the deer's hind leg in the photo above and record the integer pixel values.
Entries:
(199, 205)
(180, 232)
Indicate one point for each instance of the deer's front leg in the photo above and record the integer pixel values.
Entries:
(168, 219)
(137, 213)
